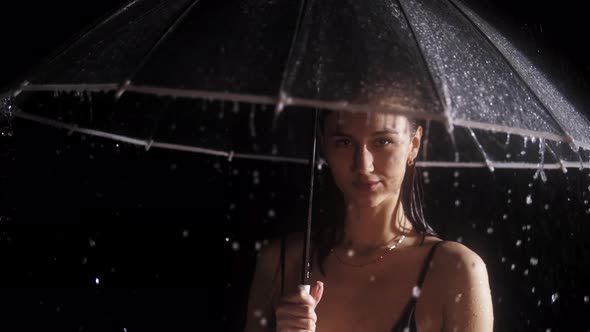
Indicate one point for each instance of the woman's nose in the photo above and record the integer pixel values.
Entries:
(363, 160)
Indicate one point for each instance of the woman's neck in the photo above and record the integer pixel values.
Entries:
(370, 227)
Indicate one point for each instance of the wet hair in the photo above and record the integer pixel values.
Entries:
(329, 205)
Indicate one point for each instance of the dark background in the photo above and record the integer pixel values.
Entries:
(100, 236)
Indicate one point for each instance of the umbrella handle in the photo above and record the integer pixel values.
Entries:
(306, 288)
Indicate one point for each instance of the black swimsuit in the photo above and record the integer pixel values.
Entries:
(407, 320)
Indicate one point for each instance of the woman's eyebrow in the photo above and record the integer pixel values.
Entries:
(339, 133)
(385, 131)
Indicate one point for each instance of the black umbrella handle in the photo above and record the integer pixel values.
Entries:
(306, 273)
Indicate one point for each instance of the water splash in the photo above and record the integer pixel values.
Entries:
(540, 170)
(7, 110)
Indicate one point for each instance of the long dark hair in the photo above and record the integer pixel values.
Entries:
(329, 205)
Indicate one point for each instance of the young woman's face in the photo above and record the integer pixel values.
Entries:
(367, 154)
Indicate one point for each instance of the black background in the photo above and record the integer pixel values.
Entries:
(75, 208)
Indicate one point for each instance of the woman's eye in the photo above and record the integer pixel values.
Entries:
(382, 142)
(343, 142)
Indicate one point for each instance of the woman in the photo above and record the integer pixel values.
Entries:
(379, 266)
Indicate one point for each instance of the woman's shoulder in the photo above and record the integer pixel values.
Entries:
(458, 267)
(456, 252)
(292, 242)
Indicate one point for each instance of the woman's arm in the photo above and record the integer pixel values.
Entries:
(467, 299)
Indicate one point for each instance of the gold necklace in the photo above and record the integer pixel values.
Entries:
(389, 249)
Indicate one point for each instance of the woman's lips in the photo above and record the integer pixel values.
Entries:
(367, 186)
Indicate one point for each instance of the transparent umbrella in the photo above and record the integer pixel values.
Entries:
(214, 77)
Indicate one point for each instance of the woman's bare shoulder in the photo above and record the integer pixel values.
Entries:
(453, 255)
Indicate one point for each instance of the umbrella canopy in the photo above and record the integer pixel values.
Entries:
(482, 100)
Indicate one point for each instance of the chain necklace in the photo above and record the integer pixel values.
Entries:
(389, 249)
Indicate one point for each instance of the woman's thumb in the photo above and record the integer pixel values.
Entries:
(317, 291)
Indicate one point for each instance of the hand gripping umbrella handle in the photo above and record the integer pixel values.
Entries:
(306, 288)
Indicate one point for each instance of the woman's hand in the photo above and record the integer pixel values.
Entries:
(296, 312)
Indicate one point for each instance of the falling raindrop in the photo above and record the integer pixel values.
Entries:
(185, 233)
(518, 243)
(456, 174)
(235, 246)
(350, 253)
(526, 272)
(460, 239)
(533, 290)
(503, 259)
(554, 297)
(457, 203)
(271, 213)
(534, 261)
(504, 216)
(91, 243)
(263, 321)
(372, 278)
(529, 199)
(172, 167)
(455, 184)
(458, 297)
(257, 245)
(586, 299)
(509, 191)
(96, 281)
(416, 292)
(227, 239)
(512, 267)
(490, 230)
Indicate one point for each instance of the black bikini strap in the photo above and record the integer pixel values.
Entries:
(426, 265)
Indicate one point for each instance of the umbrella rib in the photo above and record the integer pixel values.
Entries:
(447, 120)
(568, 138)
(303, 161)
(125, 84)
(68, 45)
(282, 95)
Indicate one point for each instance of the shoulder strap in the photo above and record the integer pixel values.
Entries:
(426, 264)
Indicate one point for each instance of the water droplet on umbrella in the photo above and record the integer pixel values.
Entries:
(554, 297)
(534, 261)
(529, 199)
